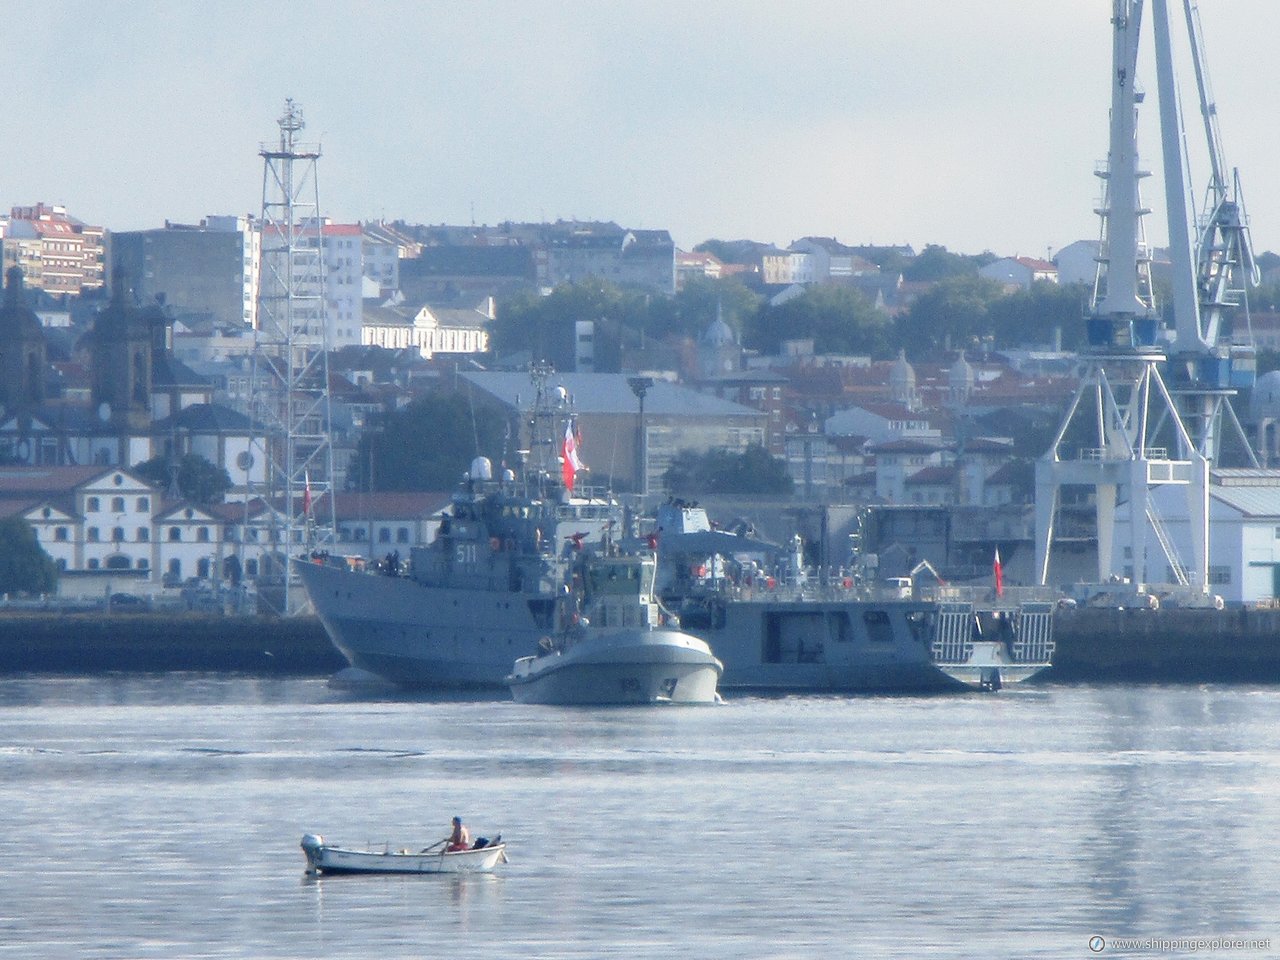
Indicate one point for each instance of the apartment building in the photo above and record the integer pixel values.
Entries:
(56, 253)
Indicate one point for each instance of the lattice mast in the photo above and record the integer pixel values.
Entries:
(290, 379)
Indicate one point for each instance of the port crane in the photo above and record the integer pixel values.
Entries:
(1209, 362)
(1107, 439)
(1151, 412)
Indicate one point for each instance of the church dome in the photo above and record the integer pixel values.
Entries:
(902, 379)
(960, 376)
(719, 334)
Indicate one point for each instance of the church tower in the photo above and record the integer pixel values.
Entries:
(23, 350)
(122, 346)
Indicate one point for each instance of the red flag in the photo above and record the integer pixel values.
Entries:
(999, 572)
(569, 453)
(306, 494)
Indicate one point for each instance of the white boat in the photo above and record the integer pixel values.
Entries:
(616, 646)
(629, 667)
(325, 858)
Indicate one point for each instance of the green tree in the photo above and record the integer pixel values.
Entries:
(721, 471)
(839, 319)
(198, 480)
(429, 444)
(24, 566)
(934, 262)
(545, 326)
(697, 305)
(733, 251)
(1032, 316)
(952, 315)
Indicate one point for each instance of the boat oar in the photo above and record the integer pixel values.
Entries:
(434, 845)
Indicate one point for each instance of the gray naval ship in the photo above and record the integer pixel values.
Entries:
(777, 625)
(503, 579)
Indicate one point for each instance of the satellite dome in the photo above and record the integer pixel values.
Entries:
(481, 469)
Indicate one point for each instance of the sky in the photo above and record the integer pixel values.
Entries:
(975, 124)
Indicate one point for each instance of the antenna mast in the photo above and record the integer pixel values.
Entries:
(289, 396)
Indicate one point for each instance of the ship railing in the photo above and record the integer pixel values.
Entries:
(953, 632)
(1033, 633)
(768, 588)
(985, 596)
(343, 561)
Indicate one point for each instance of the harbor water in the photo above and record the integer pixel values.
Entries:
(159, 817)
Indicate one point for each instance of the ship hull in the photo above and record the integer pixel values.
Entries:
(836, 646)
(627, 667)
(421, 636)
(415, 635)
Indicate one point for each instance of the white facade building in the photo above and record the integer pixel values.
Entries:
(1020, 272)
(1244, 536)
(432, 330)
(343, 283)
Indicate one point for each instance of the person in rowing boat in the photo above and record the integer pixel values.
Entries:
(460, 839)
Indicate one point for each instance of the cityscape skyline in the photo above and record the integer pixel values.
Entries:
(976, 126)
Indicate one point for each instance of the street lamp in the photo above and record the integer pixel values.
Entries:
(640, 386)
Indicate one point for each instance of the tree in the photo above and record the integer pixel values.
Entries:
(546, 326)
(839, 319)
(199, 481)
(934, 262)
(733, 251)
(429, 444)
(1032, 316)
(696, 306)
(953, 315)
(721, 471)
(24, 566)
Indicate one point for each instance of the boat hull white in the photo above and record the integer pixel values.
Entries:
(322, 858)
(989, 668)
(627, 667)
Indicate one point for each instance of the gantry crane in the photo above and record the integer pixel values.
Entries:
(1208, 362)
(1123, 405)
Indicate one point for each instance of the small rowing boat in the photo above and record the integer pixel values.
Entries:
(326, 858)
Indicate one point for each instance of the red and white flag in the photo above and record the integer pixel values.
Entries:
(306, 493)
(569, 453)
(999, 573)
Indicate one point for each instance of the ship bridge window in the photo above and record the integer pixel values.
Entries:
(879, 629)
(841, 628)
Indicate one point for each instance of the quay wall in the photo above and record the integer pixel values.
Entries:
(1169, 644)
(158, 642)
(1094, 645)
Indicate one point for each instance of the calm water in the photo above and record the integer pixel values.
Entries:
(160, 817)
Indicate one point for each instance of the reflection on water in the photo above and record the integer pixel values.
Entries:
(160, 817)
